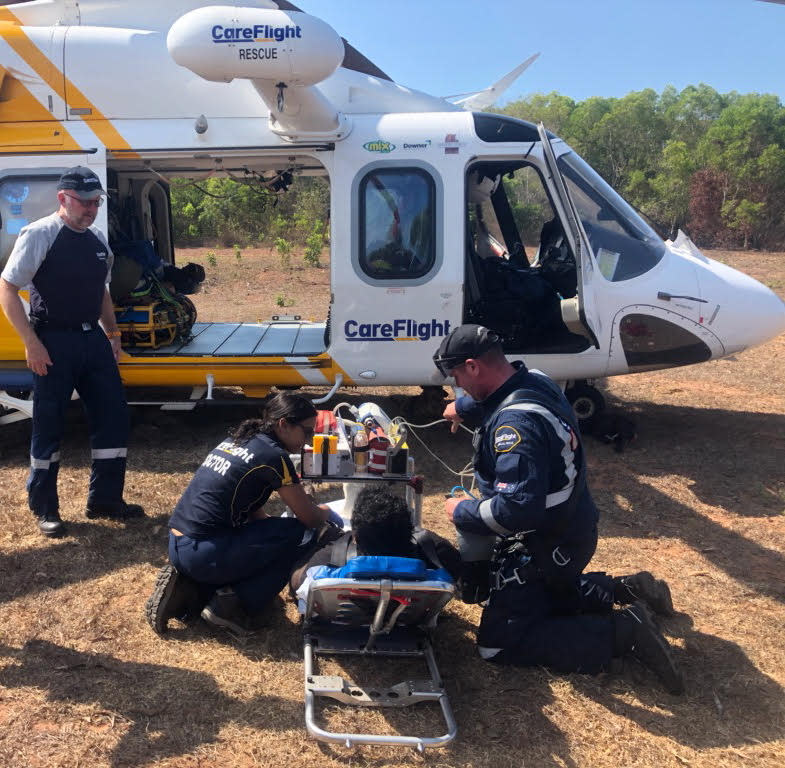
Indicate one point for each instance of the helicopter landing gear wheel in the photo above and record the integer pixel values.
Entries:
(586, 400)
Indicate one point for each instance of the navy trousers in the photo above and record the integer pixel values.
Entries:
(255, 559)
(555, 616)
(81, 361)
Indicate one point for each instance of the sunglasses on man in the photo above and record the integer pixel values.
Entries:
(94, 203)
(445, 364)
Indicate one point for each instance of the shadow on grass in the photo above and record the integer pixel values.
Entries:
(731, 458)
(89, 551)
(159, 441)
(169, 711)
(759, 568)
(728, 700)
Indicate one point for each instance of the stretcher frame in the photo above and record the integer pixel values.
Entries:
(403, 620)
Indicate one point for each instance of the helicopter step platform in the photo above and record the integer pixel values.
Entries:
(269, 339)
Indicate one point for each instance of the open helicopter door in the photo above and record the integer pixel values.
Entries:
(579, 313)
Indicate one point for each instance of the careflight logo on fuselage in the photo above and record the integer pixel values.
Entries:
(400, 329)
(258, 33)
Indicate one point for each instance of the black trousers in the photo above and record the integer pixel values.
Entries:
(553, 615)
(81, 361)
(255, 559)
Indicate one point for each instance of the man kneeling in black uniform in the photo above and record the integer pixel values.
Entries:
(535, 506)
(381, 525)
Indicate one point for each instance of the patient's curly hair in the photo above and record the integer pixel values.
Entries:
(382, 524)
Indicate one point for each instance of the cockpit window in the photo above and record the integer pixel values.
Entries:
(397, 220)
(624, 245)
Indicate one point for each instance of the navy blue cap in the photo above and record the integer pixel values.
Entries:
(466, 341)
(82, 181)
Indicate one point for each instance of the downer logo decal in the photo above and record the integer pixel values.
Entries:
(399, 329)
(258, 33)
(377, 145)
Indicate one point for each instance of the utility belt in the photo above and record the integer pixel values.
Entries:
(56, 325)
(511, 563)
(514, 562)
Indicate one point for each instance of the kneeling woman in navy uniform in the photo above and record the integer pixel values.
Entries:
(220, 536)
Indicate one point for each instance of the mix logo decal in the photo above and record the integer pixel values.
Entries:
(505, 439)
(258, 33)
(400, 329)
(378, 145)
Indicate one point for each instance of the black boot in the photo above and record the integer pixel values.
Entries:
(474, 584)
(50, 524)
(174, 596)
(226, 611)
(636, 635)
(643, 586)
(119, 511)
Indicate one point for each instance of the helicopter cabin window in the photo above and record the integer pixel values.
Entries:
(624, 245)
(22, 200)
(519, 265)
(397, 223)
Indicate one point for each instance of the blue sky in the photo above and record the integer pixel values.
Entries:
(588, 47)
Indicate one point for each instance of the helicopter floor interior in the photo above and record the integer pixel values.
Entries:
(278, 339)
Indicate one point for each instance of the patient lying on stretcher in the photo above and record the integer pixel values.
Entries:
(381, 525)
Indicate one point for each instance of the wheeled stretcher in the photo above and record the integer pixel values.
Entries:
(375, 607)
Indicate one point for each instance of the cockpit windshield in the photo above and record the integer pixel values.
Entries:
(624, 245)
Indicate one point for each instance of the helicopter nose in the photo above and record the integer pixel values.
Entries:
(739, 309)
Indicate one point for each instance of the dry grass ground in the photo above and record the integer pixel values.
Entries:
(698, 498)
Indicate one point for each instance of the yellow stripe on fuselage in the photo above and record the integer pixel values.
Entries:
(25, 124)
(11, 31)
(159, 371)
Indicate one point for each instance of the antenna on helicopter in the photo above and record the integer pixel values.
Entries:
(479, 100)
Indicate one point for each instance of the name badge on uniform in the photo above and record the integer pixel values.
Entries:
(505, 439)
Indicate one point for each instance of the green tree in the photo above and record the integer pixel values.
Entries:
(745, 146)
(668, 201)
(689, 114)
(552, 109)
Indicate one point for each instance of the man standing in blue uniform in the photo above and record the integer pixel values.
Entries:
(67, 264)
(533, 530)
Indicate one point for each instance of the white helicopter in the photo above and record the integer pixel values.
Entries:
(423, 234)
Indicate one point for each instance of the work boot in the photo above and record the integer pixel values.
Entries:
(643, 586)
(226, 611)
(119, 511)
(174, 596)
(635, 634)
(50, 524)
(474, 583)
